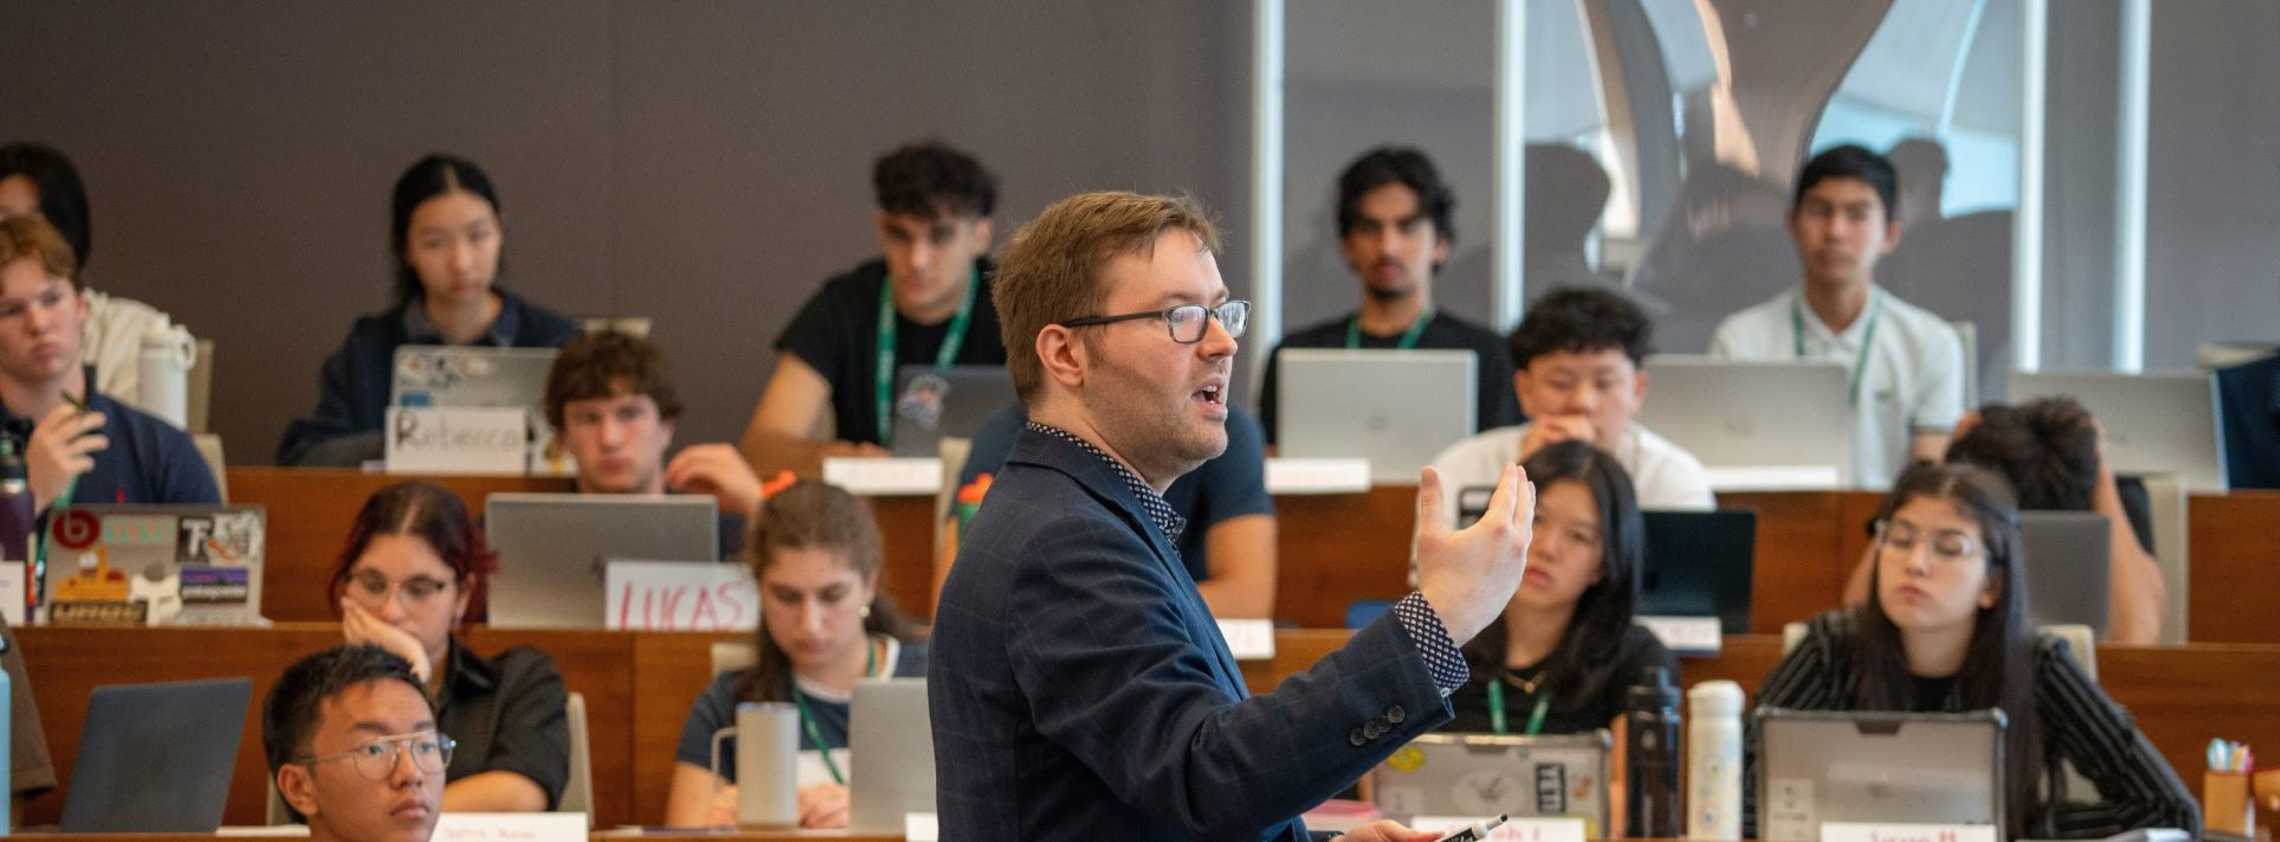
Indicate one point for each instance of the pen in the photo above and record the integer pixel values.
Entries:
(1476, 832)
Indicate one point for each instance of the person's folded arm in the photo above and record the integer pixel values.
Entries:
(1113, 674)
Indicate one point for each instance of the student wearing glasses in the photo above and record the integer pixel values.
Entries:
(1945, 629)
(353, 746)
(824, 625)
(413, 565)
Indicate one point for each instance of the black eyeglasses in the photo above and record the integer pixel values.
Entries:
(1186, 322)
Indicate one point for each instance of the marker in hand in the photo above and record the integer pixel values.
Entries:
(1476, 832)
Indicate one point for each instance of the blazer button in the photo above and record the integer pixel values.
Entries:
(1356, 738)
(1395, 714)
(1373, 730)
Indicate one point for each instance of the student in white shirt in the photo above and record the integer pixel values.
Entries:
(1575, 361)
(1904, 365)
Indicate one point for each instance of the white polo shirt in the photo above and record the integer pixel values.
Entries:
(1663, 475)
(1913, 380)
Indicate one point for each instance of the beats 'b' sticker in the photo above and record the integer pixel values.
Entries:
(77, 529)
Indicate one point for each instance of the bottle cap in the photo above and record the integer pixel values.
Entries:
(1715, 699)
(1653, 689)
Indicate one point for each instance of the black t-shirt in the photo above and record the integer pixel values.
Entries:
(1496, 405)
(1638, 650)
(837, 334)
(508, 715)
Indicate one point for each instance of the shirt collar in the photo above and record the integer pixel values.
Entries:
(1817, 331)
(467, 672)
(418, 330)
(1166, 519)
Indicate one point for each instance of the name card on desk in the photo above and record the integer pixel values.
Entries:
(1868, 832)
(1514, 830)
(1692, 636)
(885, 477)
(681, 596)
(1249, 640)
(921, 827)
(1318, 476)
(457, 440)
(12, 592)
(510, 827)
(1773, 477)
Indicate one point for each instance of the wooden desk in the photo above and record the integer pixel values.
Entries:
(309, 513)
(2235, 544)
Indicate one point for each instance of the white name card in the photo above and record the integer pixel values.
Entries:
(1515, 830)
(921, 827)
(457, 440)
(1318, 476)
(1249, 640)
(1773, 477)
(510, 827)
(680, 596)
(1685, 635)
(12, 592)
(885, 477)
(1871, 832)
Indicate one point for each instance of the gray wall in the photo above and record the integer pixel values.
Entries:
(703, 164)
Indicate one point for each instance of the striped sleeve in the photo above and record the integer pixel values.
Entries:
(2083, 727)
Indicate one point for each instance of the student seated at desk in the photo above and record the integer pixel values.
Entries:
(1229, 545)
(1945, 629)
(353, 746)
(106, 451)
(1560, 658)
(40, 179)
(611, 399)
(2052, 451)
(1576, 362)
(824, 625)
(447, 234)
(413, 563)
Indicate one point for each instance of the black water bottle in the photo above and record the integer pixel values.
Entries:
(1651, 733)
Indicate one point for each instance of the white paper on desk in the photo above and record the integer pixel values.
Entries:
(12, 592)
(510, 827)
(457, 440)
(1880, 832)
(1318, 476)
(1695, 636)
(1515, 830)
(885, 477)
(680, 596)
(921, 827)
(1249, 640)
(1773, 478)
(263, 831)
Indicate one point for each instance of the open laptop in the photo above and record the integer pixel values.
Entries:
(1736, 414)
(1397, 409)
(2154, 423)
(1699, 564)
(1484, 775)
(1882, 767)
(936, 403)
(156, 758)
(890, 743)
(450, 375)
(2069, 565)
(134, 565)
(554, 549)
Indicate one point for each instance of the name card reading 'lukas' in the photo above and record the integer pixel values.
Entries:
(1878, 832)
(885, 477)
(681, 596)
(510, 827)
(457, 440)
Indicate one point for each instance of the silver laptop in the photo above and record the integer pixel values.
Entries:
(2154, 423)
(133, 565)
(1842, 766)
(437, 375)
(1482, 775)
(554, 549)
(1397, 409)
(156, 758)
(932, 403)
(890, 747)
(1752, 413)
(2069, 565)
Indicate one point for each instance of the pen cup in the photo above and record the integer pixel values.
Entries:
(2225, 805)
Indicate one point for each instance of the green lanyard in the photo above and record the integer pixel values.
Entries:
(1496, 709)
(1867, 340)
(1408, 338)
(942, 358)
(807, 719)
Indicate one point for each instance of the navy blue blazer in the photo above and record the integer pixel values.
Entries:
(1080, 689)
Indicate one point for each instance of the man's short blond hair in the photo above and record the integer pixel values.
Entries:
(31, 236)
(1052, 271)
